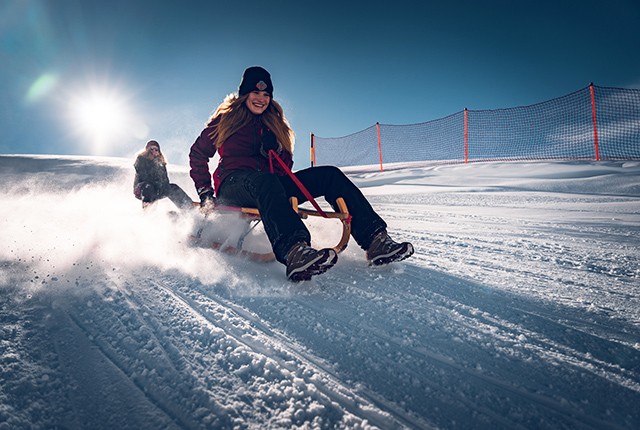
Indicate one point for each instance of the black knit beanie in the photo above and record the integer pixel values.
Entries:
(255, 79)
(152, 143)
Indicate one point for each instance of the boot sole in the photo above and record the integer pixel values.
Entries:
(321, 264)
(399, 255)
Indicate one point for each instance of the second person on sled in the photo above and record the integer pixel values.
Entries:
(243, 130)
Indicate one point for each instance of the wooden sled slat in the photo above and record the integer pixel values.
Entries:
(341, 214)
(258, 257)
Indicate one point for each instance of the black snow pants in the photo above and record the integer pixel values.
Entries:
(270, 194)
(150, 193)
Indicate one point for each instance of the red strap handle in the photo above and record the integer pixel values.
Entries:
(300, 185)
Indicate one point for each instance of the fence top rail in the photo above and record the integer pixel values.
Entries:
(426, 122)
(481, 110)
(345, 136)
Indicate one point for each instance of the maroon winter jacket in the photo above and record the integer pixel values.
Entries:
(241, 151)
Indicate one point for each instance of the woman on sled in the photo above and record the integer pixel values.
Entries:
(243, 130)
(151, 182)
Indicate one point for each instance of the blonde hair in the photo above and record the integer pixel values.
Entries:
(234, 114)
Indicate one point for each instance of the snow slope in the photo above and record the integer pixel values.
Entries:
(520, 309)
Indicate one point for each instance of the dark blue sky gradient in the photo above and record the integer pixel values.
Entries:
(337, 66)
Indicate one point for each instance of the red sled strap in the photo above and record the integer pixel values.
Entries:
(300, 185)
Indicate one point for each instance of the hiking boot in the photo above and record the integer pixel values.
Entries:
(303, 261)
(383, 250)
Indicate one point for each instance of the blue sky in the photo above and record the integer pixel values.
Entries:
(337, 66)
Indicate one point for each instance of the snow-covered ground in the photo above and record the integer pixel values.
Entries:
(520, 309)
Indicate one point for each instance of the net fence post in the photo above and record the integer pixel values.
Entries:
(312, 153)
(466, 136)
(379, 144)
(595, 124)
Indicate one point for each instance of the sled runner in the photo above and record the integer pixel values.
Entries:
(252, 218)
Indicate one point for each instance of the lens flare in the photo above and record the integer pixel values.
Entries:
(41, 87)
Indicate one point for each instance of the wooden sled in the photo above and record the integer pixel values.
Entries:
(252, 215)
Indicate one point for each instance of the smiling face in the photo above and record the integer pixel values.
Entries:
(154, 151)
(258, 101)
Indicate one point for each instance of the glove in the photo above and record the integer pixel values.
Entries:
(207, 199)
(269, 142)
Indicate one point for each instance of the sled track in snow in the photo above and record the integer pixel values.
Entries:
(249, 330)
(128, 374)
(453, 320)
(520, 309)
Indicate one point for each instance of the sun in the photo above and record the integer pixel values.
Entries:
(101, 114)
(104, 120)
